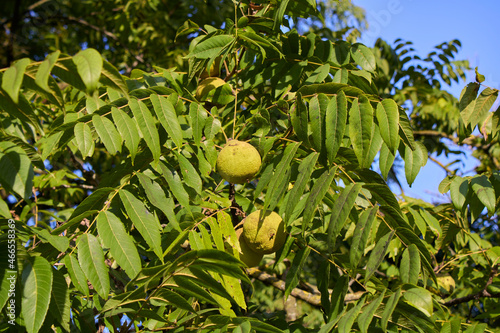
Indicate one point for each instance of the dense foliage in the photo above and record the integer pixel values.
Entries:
(122, 221)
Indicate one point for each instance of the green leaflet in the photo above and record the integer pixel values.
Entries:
(108, 134)
(482, 106)
(459, 188)
(485, 192)
(405, 130)
(409, 269)
(147, 126)
(414, 160)
(13, 78)
(197, 118)
(347, 320)
(318, 191)
(318, 75)
(119, 242)
(363, 56)
(388, 121)
(146, 223)
(341, 76)
(175, 184)
(337, 297)
(112, 78)
(376, 143)
(156, 195)
(128, 130)
(277, 184)
(190, 174)
(37, 288)
(366, 317)
(61, 243)
(21, 110)
(278, 16)
(305, 171)
(468, 101)
(391, 304)
(378, 254)
(16, 170)
(78, 278)
(292, 277)
(335, 124)
(386, 160)
(360, 129)
(211, 46)
(60, 300)
(298, 116)
(89, 65)
(445, 184)
(342, 208)
(317, 112)
(84, 139)
(361, 234)
(91, 259)
(431, 222)
(165, 112)
(88, 206)
(421, 299)
(43, 73)
(164, 296)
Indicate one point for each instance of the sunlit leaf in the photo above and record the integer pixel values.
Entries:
(211, 46)
(378, 254)
(118, 241)
(147, 125)
(363, 56)
(37, 288)
(91, 259)
(360, 129)
(335, 124)
(388, 122)
(89, 64)
(342, 207)
(165, 112)
(16, 170)
(420, 298)
(146, 223)
(44, 70)
(410, 265)
(13, 78)
(361, 234)
(128, 130)
(108, 134)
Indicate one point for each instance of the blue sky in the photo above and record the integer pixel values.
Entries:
(428, 23)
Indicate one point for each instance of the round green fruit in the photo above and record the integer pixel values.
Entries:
(238, 162)
(213, 70)
(447, 283)
(208, 85)
(250, 258)
(264, 233)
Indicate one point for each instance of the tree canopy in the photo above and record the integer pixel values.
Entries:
(115, 215)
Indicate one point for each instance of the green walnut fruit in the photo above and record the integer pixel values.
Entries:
(238, 162)
(447, 283)
(207, 86)
(250, 258)
(213, 70)
(264, 233)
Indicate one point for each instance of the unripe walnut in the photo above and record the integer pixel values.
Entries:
(238, 162)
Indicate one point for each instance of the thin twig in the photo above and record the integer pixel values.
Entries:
(481, 294)
(309, 297)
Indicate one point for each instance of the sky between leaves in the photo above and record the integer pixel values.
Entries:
(428, 23)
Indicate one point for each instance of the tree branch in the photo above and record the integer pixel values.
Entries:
(313, 298)
(481, 294)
